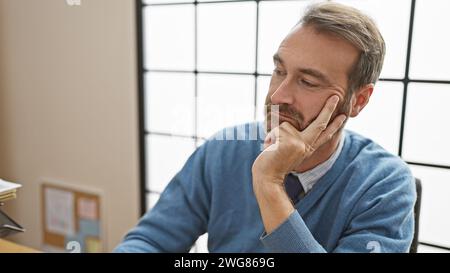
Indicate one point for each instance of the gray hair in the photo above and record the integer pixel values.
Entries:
(355, 27)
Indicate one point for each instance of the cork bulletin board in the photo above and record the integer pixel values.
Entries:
(71, 219)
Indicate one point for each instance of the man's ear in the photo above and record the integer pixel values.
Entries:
(360, 99)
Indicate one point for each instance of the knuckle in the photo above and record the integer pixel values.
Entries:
(329, 137)
(309, 149)
(321, 126)
(284, 125)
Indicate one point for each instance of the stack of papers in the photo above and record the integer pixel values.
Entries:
(8, 190)
(7, 225)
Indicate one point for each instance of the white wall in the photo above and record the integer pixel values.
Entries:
(68, 106)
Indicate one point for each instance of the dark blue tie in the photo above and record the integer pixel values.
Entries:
(293, 187)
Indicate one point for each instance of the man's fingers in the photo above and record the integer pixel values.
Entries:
(313, 131)
(331, 130)
(275, 135)
(271, 137)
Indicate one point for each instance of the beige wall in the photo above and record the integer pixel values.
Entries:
(68, 106)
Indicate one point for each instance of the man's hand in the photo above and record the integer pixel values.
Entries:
(285, 148)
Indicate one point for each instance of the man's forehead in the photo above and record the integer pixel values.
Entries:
(299, 43)
(306, 47)
(297, 32)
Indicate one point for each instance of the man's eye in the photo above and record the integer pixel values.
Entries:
(308, 84)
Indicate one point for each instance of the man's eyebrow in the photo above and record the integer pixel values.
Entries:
(315, 73)
(277, 58)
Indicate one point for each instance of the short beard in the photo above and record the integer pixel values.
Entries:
(295, 118)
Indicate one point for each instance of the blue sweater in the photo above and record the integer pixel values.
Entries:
(364, 203)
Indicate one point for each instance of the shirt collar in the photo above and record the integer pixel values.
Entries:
(310, 177)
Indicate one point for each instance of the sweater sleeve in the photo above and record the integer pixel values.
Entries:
(292, 236)
(381, 221)
(180, 215)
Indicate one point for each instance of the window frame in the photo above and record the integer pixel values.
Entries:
(142, 71)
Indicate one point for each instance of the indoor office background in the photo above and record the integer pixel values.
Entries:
(207, 64)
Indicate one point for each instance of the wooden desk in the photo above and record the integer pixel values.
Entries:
(9, 247)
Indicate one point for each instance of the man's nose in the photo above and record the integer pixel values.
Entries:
(284, 94)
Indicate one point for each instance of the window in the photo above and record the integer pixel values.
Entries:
(197, 57)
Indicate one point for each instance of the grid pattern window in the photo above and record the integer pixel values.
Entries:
(206, 64)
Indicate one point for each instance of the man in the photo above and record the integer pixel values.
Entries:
(314, 187)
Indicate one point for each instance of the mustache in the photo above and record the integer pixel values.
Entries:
(287, 111)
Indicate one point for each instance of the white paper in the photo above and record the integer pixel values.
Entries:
(59, 211)
(8, 186)
(87, 208)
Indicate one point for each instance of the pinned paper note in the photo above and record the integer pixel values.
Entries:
(93, 245)
(59, 211)
(89, 227)
(87, 208)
